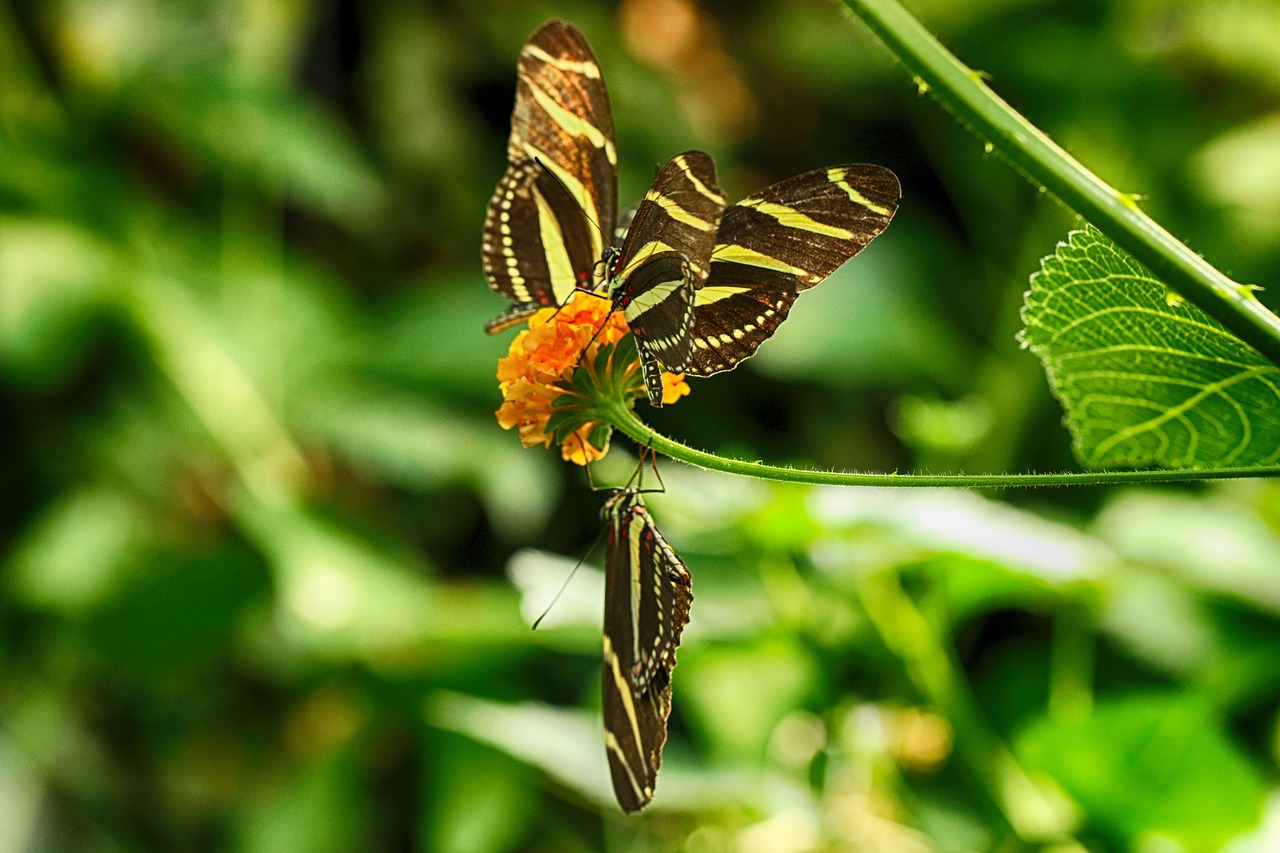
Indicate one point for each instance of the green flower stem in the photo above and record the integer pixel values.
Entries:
(963, 93)
(626, 420)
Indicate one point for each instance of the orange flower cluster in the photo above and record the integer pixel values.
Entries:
(538, 368)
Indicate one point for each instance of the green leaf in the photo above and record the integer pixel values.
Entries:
(1150, 765)
(55, 281)
(762, 684)
(277, 139)
(566, 418)
(179, 609)
(478, 799)
(1146, 380)
(316, 806)
(80, 549)
(563, 743)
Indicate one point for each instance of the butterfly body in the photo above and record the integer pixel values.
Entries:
(664, 259)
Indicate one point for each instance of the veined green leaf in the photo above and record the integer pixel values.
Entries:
(1146, 380)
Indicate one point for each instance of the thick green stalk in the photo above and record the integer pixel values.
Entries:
(963, 93)
(625, 419)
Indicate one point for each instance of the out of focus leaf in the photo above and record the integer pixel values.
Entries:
(316, 808)
(343, 598)
(436, 337)
(865, 345)
(946, 426)
(1240, 168)
(975, 586)
(1210, 542)
(1158, 621)
(1266, 837)
(176, 608)
(1239, 37)
(20, 795)
(573, 592)
(75, 554)
(408, 440)
(1144, 381)
(54, 277)
(567, 745)
(760, 683)
(964, 522)
(282, 141)
(1148, 766)
(478, 800)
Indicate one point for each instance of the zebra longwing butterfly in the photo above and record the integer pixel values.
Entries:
(549, 218)
(647, 595)
(542, 232)
(664, 259)
(701, 287)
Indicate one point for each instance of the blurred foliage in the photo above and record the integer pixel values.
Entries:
(266, 579)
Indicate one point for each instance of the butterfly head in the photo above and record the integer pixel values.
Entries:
(607, 268)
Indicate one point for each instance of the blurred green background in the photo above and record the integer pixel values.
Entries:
(269, 563)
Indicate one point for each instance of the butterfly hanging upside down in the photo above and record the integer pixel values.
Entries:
(648, 594)
(700, 285)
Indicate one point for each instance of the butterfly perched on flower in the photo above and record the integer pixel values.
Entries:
(701, 284)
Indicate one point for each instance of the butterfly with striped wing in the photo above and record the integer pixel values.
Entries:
(545, 230)
(701, 286)
(647, 596)
(776, 244)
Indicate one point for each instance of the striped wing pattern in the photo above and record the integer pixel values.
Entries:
(784, 239)
(543, 232)
(647, 598)
(664, 259)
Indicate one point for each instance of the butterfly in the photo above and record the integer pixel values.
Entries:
(701, 285)
(647, 595)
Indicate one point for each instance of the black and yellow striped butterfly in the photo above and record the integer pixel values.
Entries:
(547, 224)
(701, 287)
(543, 232)
(664, 259)
(647, 596)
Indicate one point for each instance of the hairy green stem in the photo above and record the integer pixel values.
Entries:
(625, 419)
(963, 93)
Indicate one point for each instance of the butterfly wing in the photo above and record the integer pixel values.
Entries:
(543, 232)
(784, 239)
(666, 256)
(647, 599)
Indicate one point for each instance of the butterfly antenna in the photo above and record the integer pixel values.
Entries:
(596, 334)
(605, 239)
(565, 585)
(582, 559)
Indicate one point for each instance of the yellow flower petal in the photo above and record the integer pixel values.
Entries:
(673, 387)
